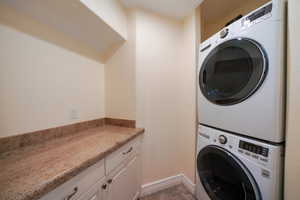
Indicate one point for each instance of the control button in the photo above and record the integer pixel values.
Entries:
(265, 173)
(222, 139)
(204, 135)
(224, 33)
(247, 153)
(255, 156)
(230, 146)
(263, 159)
(241, 151)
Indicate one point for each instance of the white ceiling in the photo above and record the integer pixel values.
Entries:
(170, 8)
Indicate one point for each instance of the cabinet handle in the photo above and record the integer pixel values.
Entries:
(104, 186)
(127, 152)
(109, 181)
(72, 194)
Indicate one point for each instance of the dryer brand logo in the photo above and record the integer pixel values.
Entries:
(204, 135)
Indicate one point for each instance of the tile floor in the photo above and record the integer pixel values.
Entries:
(175, 193)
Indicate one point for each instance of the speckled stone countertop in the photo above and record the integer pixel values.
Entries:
(29, 173)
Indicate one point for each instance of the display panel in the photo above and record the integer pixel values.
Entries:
(254, 148)
(260, 13)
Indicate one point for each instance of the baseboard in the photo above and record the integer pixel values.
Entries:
(137, 195)
(168, 182)
(188, 184)
(161, 184)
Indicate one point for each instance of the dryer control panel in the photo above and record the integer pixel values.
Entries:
(258, 16)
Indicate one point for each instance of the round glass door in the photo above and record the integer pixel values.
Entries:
(233, 71)
(224, 177)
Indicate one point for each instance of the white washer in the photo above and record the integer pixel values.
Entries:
(241, 75)
(231, 167)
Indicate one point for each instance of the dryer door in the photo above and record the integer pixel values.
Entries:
(224, 177)
(233, 71)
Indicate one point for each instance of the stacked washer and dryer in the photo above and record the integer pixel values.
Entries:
(241, 108)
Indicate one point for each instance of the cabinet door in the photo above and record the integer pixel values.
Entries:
(94, 193)
(125, 184)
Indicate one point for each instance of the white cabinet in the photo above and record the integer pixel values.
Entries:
(95, 193)
(117, 177)
(124, 184)
(79, 185)
(122, 155)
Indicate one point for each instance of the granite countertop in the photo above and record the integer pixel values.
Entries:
(29, 173)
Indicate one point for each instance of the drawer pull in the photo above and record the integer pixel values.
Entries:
(104, 186)
(127, 152)
(72, 194)
(109, 181)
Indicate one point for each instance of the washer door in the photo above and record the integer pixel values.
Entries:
(233, 71)
(224, 177)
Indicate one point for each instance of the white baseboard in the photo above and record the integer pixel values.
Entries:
(161, 184)
(188, 184)
(168, 182)
(137, 195)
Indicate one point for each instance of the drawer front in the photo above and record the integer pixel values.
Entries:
(122, 155)
(78, 185)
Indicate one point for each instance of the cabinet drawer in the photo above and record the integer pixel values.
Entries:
(123, 154)
(78, 185)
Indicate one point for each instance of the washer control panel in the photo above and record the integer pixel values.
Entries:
(254, 151)
(254, 148)
(249, 150)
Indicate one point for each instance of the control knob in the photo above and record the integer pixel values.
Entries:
(224, 33)
(222, 139)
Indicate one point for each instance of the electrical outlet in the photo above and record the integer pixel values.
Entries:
(73, 114)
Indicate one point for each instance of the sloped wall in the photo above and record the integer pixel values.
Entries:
(111, 12)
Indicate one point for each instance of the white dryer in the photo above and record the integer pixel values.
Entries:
(241, 75)
(231, 167)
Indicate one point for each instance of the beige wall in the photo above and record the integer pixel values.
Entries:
(41, 83)
(120, 91)
(292, 162)
(157, 73)
(159, 57)
(165, 73)
(186, 96)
